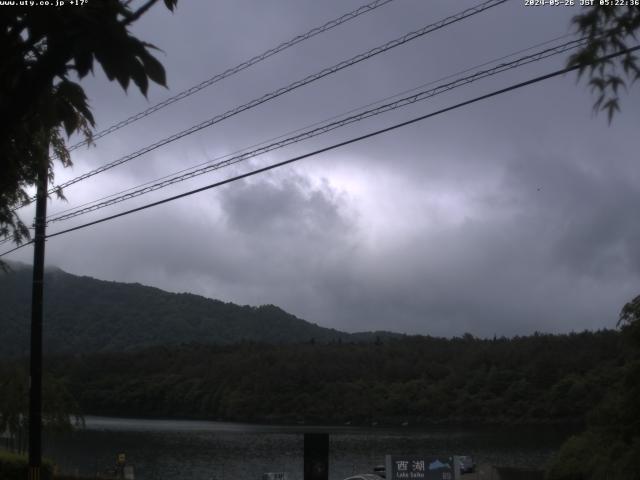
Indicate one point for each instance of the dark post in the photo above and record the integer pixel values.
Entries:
(35, 372)
(316, 456)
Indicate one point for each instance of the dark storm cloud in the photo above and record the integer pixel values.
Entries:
(514, 215)
(290, 207)
(587, 206)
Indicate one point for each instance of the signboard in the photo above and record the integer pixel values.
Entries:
(274, 476)
(399, 467)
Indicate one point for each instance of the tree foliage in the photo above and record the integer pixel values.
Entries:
(610, 446)
(14, 466)
(630, 321)
(43, 52)
(60, 410)
(609, 29)
(525, 380)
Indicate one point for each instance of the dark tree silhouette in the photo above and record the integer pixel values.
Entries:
(41, 50)
(609, 29)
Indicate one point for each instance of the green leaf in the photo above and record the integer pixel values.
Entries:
(122, 76)
(60, 193)
(611, 107)
(615, 83)
(69, 117)
(629, 62)
(597, 84)
(107, 64)
(597, 104)
(84, 63)
(139, 76)
(171, 4)
(153, 68)
(76, 97)
(71, 91)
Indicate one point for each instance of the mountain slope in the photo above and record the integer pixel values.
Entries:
(84, 315)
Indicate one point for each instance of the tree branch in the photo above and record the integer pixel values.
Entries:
(132, 17)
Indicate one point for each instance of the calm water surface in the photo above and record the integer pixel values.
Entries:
(198, 450)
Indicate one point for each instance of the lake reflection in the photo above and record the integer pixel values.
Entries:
(198, 450)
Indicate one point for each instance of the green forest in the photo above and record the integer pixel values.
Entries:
(540, 378)
(588, 379)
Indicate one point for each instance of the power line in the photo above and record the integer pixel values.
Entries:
(238, 68)
(5, 240)
(547, 42)
(347, 142)
(344, 143)
(423, 95)
(337, 145)
(315, 124)
(22, 245)
(297, 84)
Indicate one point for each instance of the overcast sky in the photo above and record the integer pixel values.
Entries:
(510, 216)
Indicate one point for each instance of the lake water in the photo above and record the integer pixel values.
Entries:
(198, 450)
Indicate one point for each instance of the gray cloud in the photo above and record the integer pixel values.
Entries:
(506, 217)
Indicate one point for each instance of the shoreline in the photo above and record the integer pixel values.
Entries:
(411, 425)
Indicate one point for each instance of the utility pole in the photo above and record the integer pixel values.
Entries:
(316, 456)
(35, 365)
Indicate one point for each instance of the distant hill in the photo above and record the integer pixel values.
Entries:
(85, 315)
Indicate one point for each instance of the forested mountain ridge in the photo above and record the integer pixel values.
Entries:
(131, 350)
(83, 314)
(530, 380)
